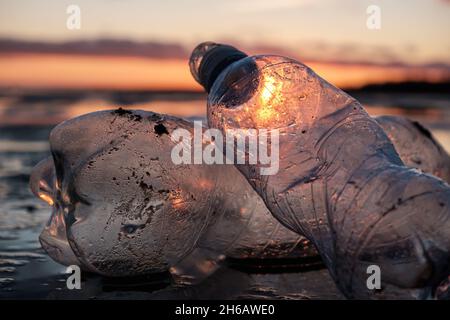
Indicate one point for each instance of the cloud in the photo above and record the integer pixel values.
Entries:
(342, 54)
(310, 51)
(104, 47)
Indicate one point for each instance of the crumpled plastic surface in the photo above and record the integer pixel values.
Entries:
(341, 183)
(121, 207)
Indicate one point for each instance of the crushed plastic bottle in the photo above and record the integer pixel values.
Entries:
(126, 209)
(416, 145)
(340, 182)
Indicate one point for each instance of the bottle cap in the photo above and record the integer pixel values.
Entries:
(209, 59)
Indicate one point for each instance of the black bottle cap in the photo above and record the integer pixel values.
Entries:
(214, 61)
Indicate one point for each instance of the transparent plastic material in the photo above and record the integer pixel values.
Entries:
(126, 209)
(340, 182)
(53, 238)
(417, 147)
(196, 59)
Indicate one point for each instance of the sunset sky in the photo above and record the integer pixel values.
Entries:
(148, 42)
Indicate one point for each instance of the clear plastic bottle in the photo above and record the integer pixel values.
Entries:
(126, 209)
(340, 182)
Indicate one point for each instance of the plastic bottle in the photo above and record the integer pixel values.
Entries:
(126, 209)
(340, 182)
